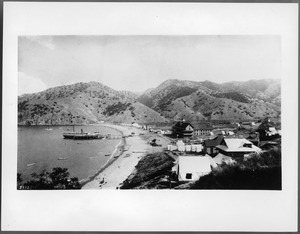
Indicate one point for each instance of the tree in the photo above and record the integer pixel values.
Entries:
(58, 178)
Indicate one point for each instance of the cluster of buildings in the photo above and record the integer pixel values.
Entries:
(202, 147)
(184, 129)
(212, 153)
(225, 146)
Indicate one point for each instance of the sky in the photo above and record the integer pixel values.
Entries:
(136, 63)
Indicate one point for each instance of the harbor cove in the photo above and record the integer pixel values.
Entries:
(146, 112)
(43, 148)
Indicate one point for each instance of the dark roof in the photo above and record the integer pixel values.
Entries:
(182, 125)
(265, 125)
(252, 138)
(213, 142)
(202, 126)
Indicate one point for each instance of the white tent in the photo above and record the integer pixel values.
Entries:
(181, 146)
(199, 148)
(191, 168)
(194, 148)
(188, 148)
(172, 147)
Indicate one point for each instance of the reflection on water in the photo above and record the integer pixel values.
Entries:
(42, 148)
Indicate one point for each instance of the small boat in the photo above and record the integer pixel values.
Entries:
(30, 164)
(63, 158)
(48, 129)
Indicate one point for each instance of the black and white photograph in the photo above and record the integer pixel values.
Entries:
(149, 112)
(142, 116)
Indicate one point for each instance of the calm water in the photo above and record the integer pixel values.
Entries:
(83, 157)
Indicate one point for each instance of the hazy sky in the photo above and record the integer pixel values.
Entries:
(137, 63)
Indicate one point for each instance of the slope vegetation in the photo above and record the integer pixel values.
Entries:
(196, 101)
(82, 103)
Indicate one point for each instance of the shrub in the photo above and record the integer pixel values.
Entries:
(234, 177)
(58, 178)
(148, 168)
(116, 108)
(259, 171)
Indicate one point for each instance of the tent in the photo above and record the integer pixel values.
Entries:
(172, 147)
(191, 168)
(199, 148)
(194, 148)
(188, 148)
(181, 146)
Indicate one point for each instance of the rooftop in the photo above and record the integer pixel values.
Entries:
(238, 145)
(213, 142)
(194, 164)
(182, 124)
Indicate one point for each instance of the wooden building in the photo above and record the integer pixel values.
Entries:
(236, 147)
(210, 145)
(202, 129)
(182, 129)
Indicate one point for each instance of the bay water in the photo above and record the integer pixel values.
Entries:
(43, 147)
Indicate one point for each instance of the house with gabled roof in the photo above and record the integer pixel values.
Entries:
(237, 147)
(210, 145)
(183, 129)
(191, 168)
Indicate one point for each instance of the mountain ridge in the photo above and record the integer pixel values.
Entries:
(82, 103)
(92, 102)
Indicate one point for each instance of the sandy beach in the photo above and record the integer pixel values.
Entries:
(118, 169)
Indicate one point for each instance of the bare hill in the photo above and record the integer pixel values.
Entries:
(82, 103)
(201, 106)
(85, 103)
(207, 100)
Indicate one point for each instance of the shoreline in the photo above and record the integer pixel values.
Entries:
(120, 168)
(119, 147)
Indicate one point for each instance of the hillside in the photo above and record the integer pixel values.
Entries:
(200, 106)
(267, 90)
(82, 103)
(161, 96)
(85, 103)
(195, 101)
